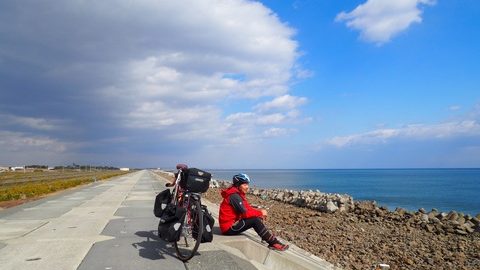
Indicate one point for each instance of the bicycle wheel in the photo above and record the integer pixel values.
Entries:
(192, 231)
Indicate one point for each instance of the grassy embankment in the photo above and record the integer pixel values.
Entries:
(19, 185)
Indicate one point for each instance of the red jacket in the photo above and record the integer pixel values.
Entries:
(228, 216)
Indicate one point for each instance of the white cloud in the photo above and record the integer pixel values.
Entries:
(161, 115)
(31, 122)
(380, 20)
(251, 118)
(18, 142)
(454, 108)
(277, 132)
(282, 102)
(419, 131)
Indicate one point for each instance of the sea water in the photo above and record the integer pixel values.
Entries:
(443, 189)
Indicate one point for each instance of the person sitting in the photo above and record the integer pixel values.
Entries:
(236, 215)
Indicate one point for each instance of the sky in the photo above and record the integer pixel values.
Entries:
(240, 84)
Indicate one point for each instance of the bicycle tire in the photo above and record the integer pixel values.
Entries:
(187, 245)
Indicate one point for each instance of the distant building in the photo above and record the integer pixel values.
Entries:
(125, 169)
(18, 168)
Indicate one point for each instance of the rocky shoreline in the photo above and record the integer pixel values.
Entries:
(360, 234)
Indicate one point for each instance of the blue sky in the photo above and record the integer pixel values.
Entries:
(240, 84)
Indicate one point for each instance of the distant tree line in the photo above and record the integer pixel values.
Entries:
(36, 167)
(86, 167)
(73, 166)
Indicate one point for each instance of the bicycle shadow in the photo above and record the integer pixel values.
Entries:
(152, 248)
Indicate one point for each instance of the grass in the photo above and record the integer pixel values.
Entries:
(39, 188)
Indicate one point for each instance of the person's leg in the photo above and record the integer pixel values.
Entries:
(257, 224)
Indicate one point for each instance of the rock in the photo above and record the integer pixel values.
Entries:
(421, 210)
(466, 227)
(452, 215)
(400, 211)
(331, 207)
(475, 221)
(214, 183)
(450, 230)
(432, 214)
(439, 228)
(442, 215)
(429, 228)
(435, 220)
(478, 216)
(299, 202)
(379, 212)
(454, 223)
(461, 220)
(458, 231)
(470, 223)
(424, 218)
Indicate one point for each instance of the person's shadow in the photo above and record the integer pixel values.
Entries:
(216, 230)
(152, 247)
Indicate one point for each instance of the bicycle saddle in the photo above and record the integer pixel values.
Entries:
(182, 166)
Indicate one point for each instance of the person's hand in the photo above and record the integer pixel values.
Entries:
(264, 212)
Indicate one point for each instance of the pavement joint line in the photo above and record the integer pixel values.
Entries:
(25, 234)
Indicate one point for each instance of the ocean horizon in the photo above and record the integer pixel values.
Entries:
(444, 189)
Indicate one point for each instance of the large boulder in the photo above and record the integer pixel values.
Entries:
(331, 207)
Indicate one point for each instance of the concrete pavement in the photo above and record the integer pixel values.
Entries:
(110, 225)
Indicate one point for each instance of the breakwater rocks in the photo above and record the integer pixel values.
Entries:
(433, 221)
(316, 200)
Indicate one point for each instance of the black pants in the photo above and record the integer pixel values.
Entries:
(257, 224)
(245, 224)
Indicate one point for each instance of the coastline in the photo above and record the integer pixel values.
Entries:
(363, 234)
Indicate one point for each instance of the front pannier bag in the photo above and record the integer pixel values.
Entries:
(196, 180)
(161, 201)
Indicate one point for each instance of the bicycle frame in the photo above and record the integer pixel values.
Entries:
(188, 200)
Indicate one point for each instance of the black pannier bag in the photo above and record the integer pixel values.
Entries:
(161, 201)
(208, 221)
(170, 225)
(196, 180)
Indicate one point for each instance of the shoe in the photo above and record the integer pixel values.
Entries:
(278, 246)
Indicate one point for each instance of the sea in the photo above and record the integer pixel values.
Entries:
(412, 189)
